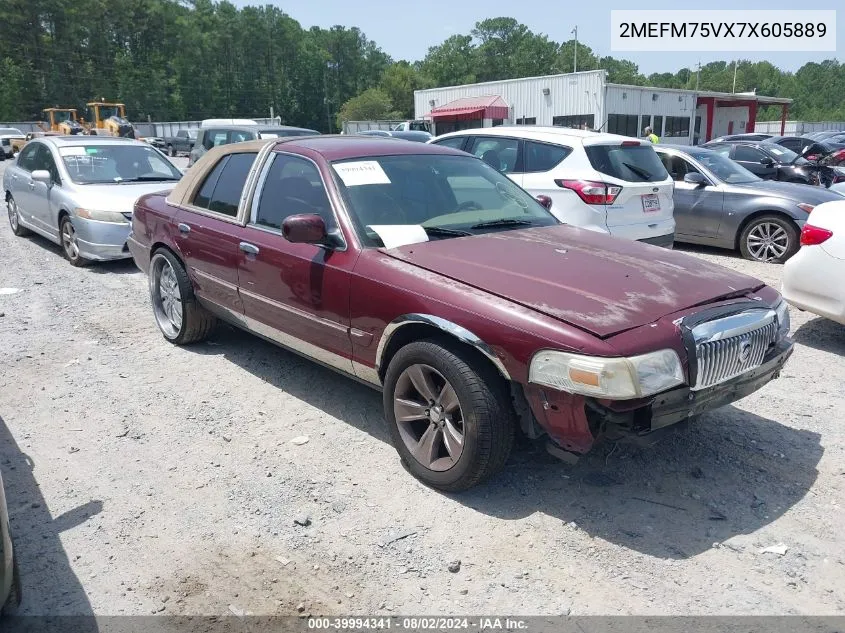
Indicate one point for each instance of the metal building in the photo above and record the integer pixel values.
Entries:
(587, 100)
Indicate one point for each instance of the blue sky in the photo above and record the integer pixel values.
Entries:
(405, 30)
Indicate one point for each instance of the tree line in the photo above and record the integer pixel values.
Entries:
(192, 59)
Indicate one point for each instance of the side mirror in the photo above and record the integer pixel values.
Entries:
(306, 228)
(694, 178)
(42, 175)
(545, 201)
(768, 162)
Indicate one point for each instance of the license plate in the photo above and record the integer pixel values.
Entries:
(651, 203)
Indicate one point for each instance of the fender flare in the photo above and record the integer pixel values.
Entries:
(444, 325)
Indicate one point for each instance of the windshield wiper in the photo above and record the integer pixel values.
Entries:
(442, 230)
(150, 179)
(502, 222)
(642, 173)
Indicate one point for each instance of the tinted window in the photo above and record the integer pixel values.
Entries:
(543, 156)
(634, 163)
(26, 160)
(203, 196)
(676, 127)
(749, 154)
(576, 121)
(657, 125)
(795, 144)
(293, 185)
(230, 184)
(676, 166)
(500, 153)
(527, 121)
(457, 142)
(624, 124)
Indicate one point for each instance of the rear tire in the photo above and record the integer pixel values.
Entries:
(769, 238)
(473, 433)
(178, 314)
(15, 218)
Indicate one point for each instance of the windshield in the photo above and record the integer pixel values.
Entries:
(11, 131)
(89, 164)
(784, 154)
(724, 168)
(61, 117)
(436, 196)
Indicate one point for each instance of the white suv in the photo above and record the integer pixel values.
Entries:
(602, 182)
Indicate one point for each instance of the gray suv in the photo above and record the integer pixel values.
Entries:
(224, 134)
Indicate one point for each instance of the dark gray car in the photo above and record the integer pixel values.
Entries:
(720, 203)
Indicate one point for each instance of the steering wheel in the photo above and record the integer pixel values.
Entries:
(469, 205)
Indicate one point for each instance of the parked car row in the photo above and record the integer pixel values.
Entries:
(428, 273)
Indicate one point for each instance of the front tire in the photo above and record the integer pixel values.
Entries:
(15, 218)
(769, 238)
(178, 314)
(449, 415)
(70, 243)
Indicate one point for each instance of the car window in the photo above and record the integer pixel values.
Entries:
(26, 159)
(784, 154)
(543, 156)
(109, 163)
(632, 163)
(724, 150)
(500, 153)
(676, 166)
(795, 144)
(456, 194)
(44, 160)
(239, 136)
(748, 154)
(221, 191)
(456, 142)
(213, 138)
(293, 185)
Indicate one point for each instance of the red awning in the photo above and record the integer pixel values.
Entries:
(488, 107)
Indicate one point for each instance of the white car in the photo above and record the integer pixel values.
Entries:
(602, 182)
(812, 278)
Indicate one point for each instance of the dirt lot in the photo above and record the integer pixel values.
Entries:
(145, 478)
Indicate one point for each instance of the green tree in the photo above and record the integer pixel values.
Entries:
(371, 105)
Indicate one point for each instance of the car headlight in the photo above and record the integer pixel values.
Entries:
(614, 378)
(782, 310)
(101, 216)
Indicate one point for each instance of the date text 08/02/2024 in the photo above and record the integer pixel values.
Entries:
(417, 624)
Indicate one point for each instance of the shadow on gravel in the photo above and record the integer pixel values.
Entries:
(50, 588)
(114, 267)
(725, 475)
(822, 334)
(728, 474)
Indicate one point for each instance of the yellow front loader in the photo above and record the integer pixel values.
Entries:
(108, 119)
(62, 120)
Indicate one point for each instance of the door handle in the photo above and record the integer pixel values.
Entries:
(249, 249)
(31, 185)
(184, 229)
(652, 226)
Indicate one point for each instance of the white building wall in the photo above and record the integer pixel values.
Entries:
(569, 94)
(723, 117)
(648, 103)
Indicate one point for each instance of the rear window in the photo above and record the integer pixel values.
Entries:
(222, 189)
(542, 156)
(632, 163)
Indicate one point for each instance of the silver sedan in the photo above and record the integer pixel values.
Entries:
(79, 192)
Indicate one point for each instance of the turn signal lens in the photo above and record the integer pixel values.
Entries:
(813, 235)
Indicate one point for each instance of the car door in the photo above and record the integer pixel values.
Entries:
(21, 171)
(698, 208)
(209, 232)
(42, 194)
(539, 159)
(295, 294)
(756, 161)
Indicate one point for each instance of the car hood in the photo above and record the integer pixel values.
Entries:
(117, 197)
(809, 194)
(598, 283)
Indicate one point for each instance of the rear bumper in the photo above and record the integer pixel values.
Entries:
(139, 252)
(665, 241)
(807, 286)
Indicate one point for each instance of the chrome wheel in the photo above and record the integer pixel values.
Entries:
(167, 298)
(69, 243)
(429, 417)
(767, 241)
(13, 213)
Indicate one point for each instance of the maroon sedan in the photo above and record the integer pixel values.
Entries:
(424, 272)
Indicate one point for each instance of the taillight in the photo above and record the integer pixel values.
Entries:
(592, 192)
(812, 235)
(839, 154)
(631, 143)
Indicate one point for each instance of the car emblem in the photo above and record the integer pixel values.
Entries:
(744, 351)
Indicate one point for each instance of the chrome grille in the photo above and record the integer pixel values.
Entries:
(729, 347)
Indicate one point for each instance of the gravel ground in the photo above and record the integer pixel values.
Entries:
(146, 478)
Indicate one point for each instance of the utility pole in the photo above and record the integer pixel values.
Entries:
(575, 64)
(326, 96)
(734, 88)
(697, 74)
